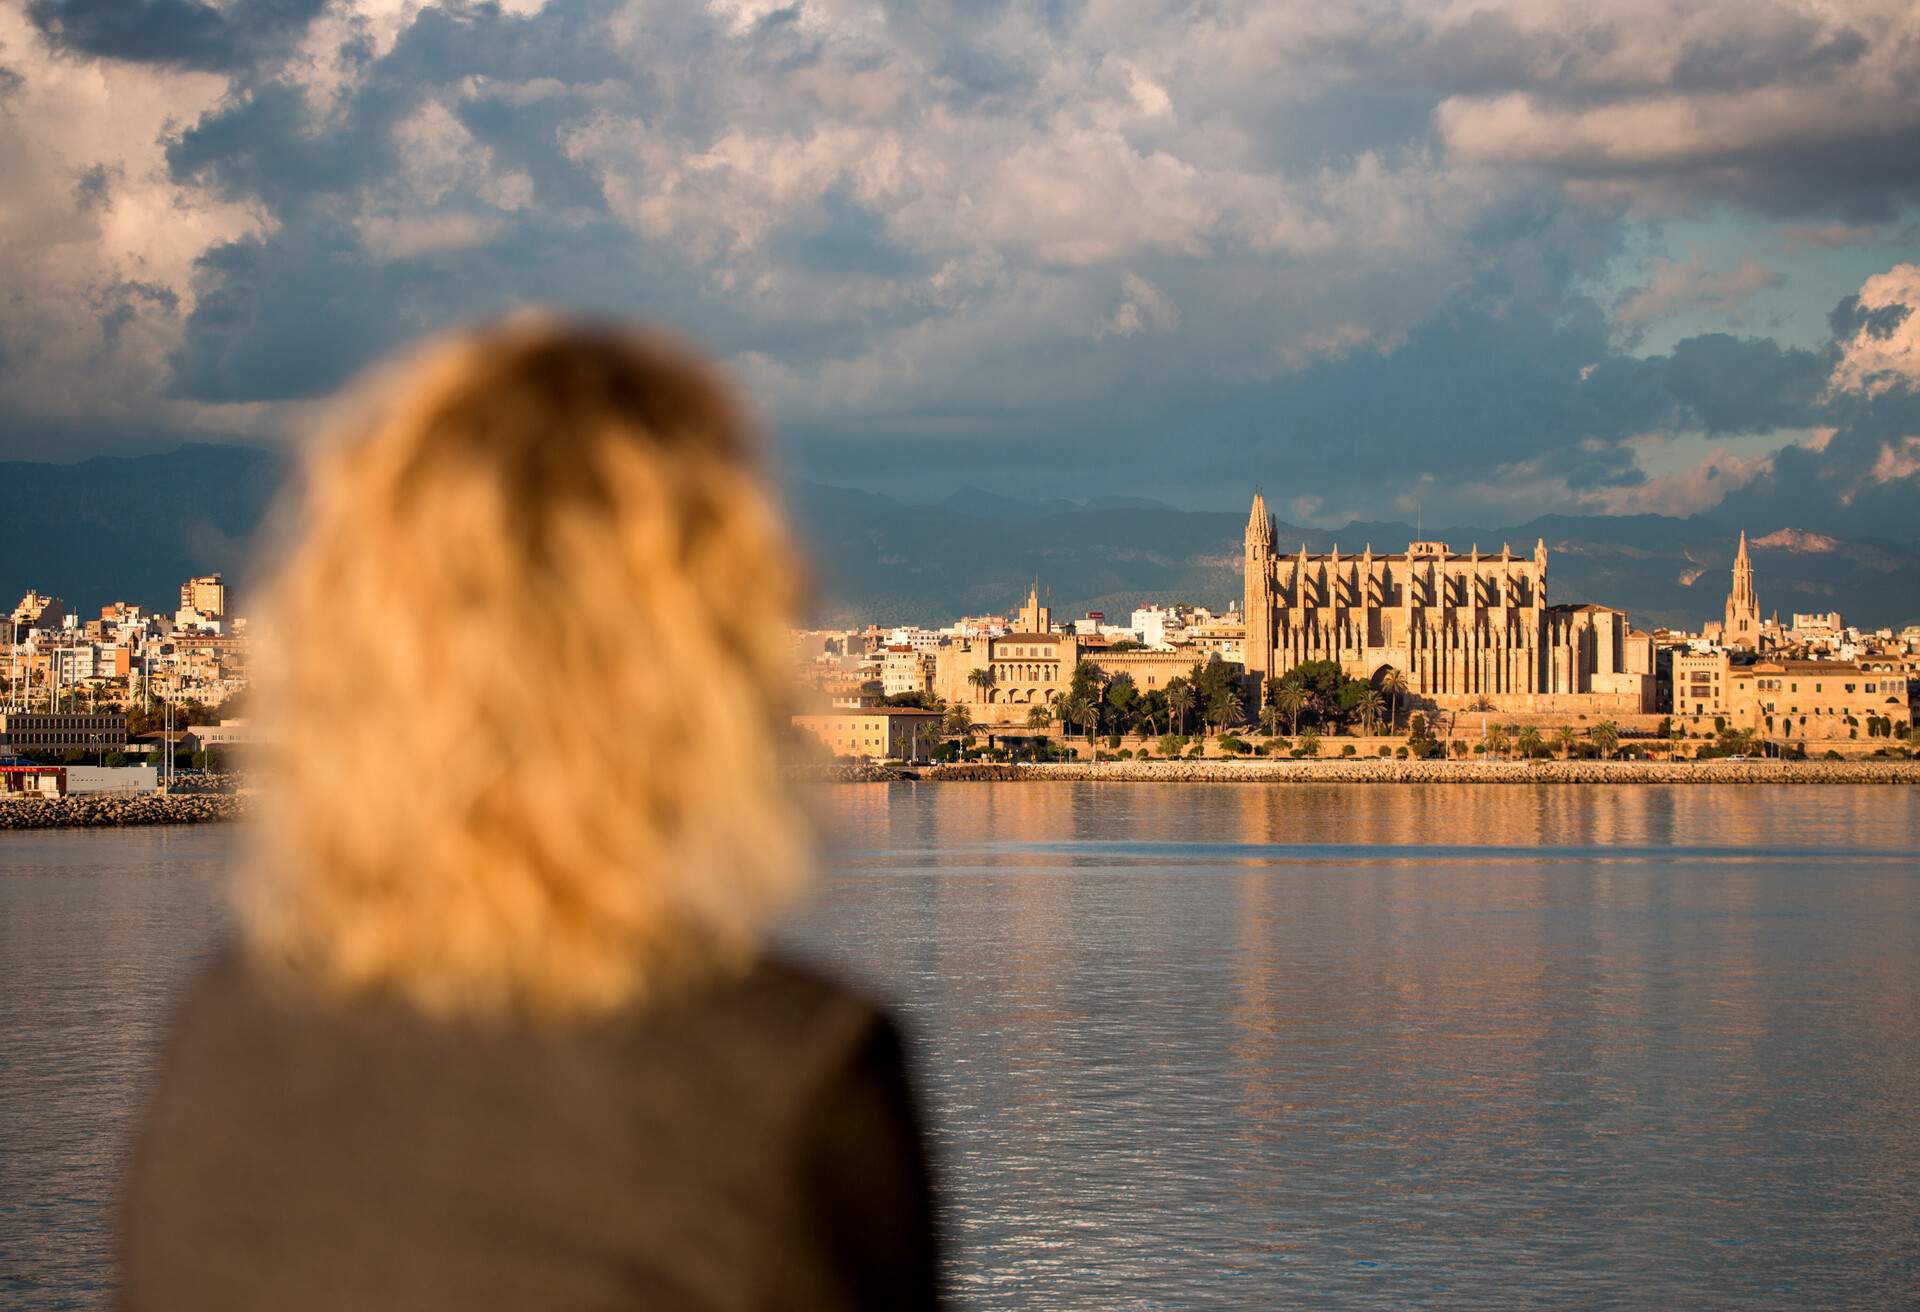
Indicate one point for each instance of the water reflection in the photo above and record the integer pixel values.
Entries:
(1239, 1046)
(1365, 1046)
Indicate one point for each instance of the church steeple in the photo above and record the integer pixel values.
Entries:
(1743, 603)
(1259, 524)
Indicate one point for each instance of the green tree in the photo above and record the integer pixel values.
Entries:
(1495, 739)
(1216, 692)
(1084, 711)
(1309, 744)
(1606, 737)
(958, 722)
(1330, 697)
(1566, 735)
(1039, 716)
(981, 679)
(1153, 717)
(1529, 742)
(1225, 707)
(1123, 703)
(1179, 700)
(1369, 704)
(1393, 686)
(1291, 700)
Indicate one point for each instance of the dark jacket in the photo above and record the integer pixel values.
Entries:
(752, 1147)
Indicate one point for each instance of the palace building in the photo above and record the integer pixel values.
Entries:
(1463, 629)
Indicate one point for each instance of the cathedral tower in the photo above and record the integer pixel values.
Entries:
(1257, 604)
(1743, 604)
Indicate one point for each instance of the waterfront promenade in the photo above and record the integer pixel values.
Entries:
(1377, 771)
(108, 812)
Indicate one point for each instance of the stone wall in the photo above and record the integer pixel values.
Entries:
(1379, 771)
(106, 810)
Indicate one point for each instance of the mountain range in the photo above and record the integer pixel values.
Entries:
(132, 528)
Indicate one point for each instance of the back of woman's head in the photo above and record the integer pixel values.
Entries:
(523, 675)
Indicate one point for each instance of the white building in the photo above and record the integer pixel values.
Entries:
(904, 670)
(1159, 627)
(921, 640)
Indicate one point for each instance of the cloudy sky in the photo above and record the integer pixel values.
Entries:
(1487, 259)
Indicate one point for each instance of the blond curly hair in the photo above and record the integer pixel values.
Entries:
(524, 671)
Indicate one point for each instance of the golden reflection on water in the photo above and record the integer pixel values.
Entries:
(1308, 1027)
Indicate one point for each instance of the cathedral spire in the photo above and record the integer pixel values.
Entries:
(1259, 524)
(1741, 627)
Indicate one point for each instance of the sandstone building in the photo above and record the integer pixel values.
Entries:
(1463, 630)
(889, 732)
(1027, 667)
(1021, 669)
(1816, 700)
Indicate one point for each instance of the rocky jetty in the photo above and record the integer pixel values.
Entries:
(115, 810)
(1376, 771)
(843, 772)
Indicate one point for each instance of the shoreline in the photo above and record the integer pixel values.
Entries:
(1374, 771)
(119, 810)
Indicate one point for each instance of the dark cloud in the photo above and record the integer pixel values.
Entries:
(124, 302)
(1044, 248)
(95, 186)
(1863, 480)
(183, 33)
(1850, 318)
(1747, 385)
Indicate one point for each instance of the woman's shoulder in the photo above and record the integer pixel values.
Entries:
(781, 1010)
(799, 1009)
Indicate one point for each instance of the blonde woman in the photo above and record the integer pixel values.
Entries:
(500, 1029)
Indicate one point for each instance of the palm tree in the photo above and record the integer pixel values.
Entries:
(1528, 741)
(1370, 705)
(1271, 718)
(958, 722)
(1566, 735)
(1086, 712)
(1310, 743)
(1228, 710)
(980, 679)
(1393, 685)
(1180, 701)
(1496, 739)
(1039, 715)
(1606, 736)
(1291, 698)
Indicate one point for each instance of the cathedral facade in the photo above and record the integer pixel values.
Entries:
(1462, 629)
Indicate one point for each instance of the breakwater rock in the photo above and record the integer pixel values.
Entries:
(849, 773)
(113, 810)
(1363, 771)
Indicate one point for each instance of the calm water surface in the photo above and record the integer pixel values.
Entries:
(1357, 1046)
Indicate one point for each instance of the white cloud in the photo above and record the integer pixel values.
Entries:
(1685, 285)
(97, 246)
(1897, 460)
(1877, 358)
(1144, 307)
(1672, 103)
(952, 220)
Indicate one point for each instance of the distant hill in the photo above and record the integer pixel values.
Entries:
(881, 559)
(134, 527)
